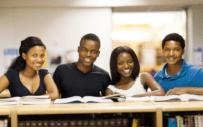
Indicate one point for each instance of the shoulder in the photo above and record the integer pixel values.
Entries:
(159, 74)
(43, 71)
(193, 70)
(110, 86)
(65, 67)
(192, 67)
(145, 75)
(100, 70)
(12, 72)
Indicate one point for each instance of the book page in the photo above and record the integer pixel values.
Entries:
(9, 103)
(68, 100)
(191, 97)
(166, 98)
(132, 99)
(35, 101)
(89, 99)
(35, 97)
(11, 99)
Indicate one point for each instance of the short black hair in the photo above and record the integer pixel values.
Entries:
(92, 37)
(174, 37)
(113, 63)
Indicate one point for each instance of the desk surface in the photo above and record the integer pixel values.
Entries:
(87, 108)
(5, 93)
(180, 106)
(74, 108)
(6, 109)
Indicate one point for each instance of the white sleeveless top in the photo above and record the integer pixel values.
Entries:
(137, 88)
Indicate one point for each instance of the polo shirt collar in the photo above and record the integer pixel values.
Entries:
(180, 74)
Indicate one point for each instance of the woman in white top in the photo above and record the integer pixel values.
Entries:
(126, 78)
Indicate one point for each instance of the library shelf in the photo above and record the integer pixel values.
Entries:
(86, 108)
(177, 107)
(156, 108)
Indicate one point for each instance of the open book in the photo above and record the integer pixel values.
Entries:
(78, 99)
(116, 97)
(26, 100)
(182, 97)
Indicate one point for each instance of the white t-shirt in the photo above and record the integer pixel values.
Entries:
(137, 88)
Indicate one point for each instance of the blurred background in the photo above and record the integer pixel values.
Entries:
(139, 24)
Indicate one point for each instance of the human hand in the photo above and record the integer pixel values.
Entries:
(177, 90)
(115, 93)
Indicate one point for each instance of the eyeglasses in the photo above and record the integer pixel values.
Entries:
(93, 52)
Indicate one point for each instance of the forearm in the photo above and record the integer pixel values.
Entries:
(52, 95)
(194, 90)
(152, 93)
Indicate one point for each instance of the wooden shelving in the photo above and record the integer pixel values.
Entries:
(85, 108)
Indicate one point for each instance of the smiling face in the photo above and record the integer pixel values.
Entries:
(173, 52)
(88, 52)
(34, 58)
(125, 64)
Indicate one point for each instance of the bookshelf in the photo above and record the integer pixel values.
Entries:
(178, 108)
(86, 108)
(157, 108)
(5, 111)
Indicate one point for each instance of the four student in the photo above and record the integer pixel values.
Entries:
(83, 78)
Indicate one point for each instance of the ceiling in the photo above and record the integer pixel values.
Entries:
(117, 5)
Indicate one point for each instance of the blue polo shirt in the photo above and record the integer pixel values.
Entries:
(189, 76)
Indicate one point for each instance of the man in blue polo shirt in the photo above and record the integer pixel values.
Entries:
(177, 76)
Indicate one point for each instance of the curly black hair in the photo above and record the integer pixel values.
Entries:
(174, 37)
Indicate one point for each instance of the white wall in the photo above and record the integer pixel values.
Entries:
(195, 27)
(59, 28)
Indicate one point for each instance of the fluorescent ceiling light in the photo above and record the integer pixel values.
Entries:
(143, 17)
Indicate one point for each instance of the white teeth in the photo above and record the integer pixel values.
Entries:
(126, 71)
(37, 65)
(171, 58)
(87, 59)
